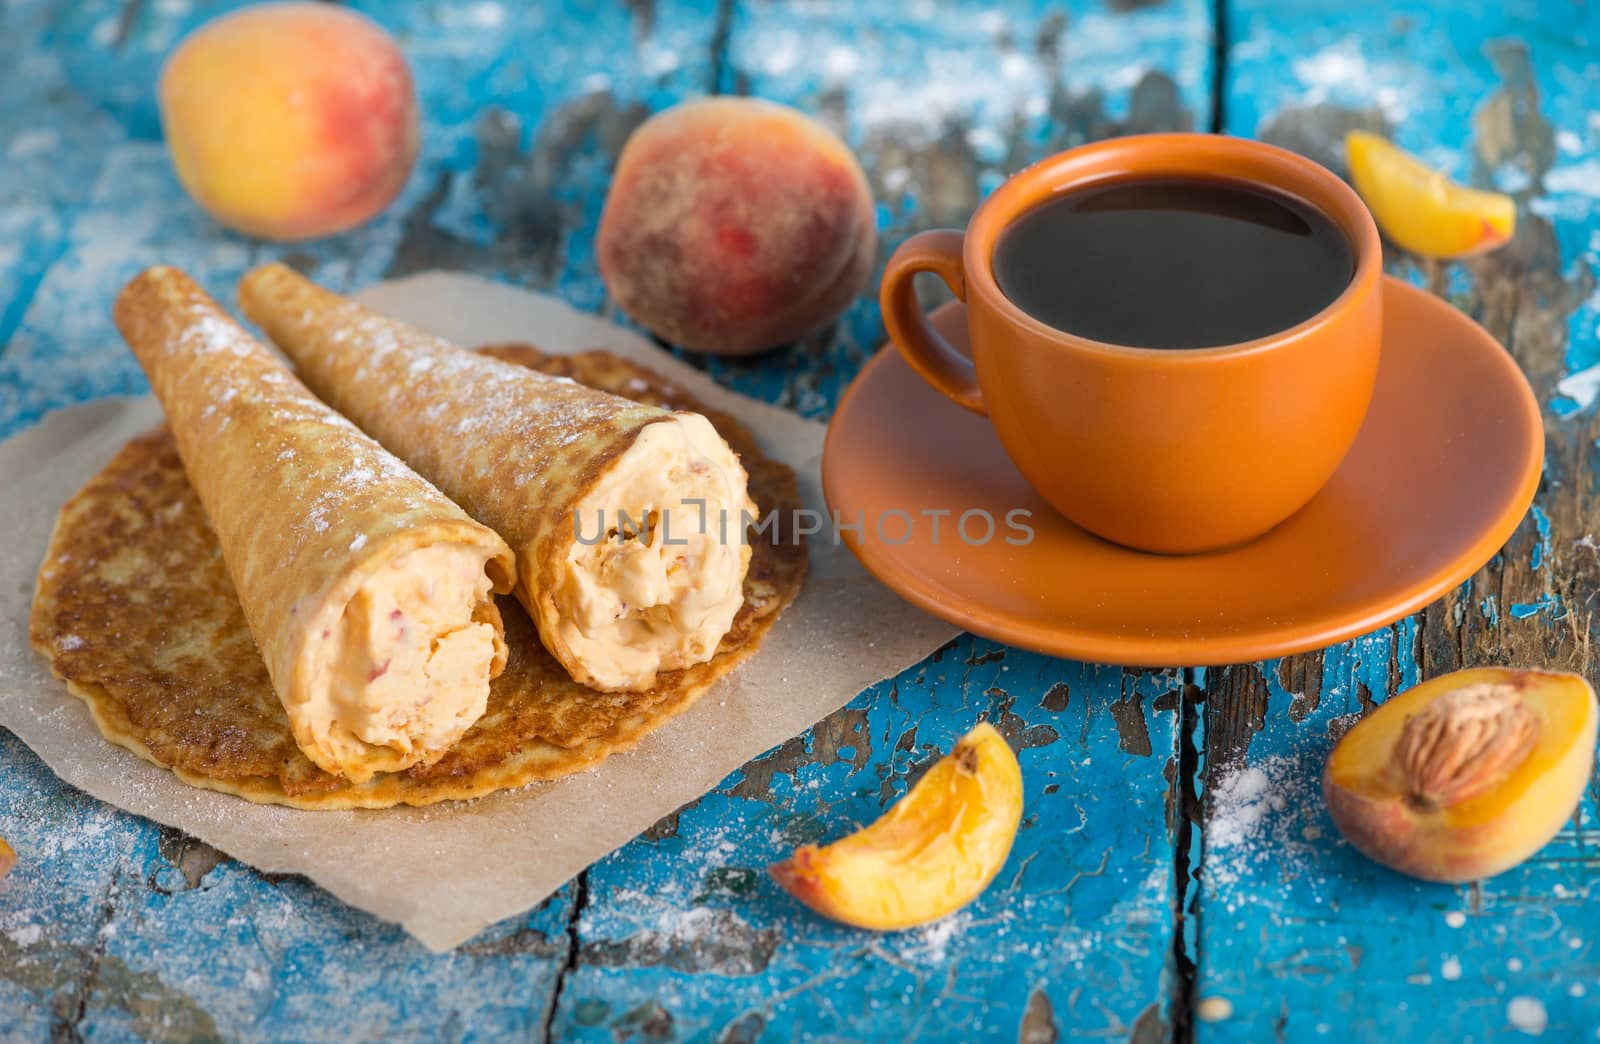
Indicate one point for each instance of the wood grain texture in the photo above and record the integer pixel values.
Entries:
(116, 929)
(684, 929)
(1302, 936)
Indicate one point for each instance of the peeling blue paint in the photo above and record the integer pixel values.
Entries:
(1550, 605)
(1304, 937)
(680, 934)
(1541, 523)
(681, 928)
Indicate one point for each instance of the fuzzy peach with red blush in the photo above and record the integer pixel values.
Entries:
(734, 225)
(290, 120)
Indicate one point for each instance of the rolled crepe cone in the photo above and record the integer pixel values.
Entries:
(628, 521)
(367, 591)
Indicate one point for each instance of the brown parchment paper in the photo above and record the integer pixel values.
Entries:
(424, 867)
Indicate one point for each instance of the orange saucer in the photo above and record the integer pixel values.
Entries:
(1443, 470)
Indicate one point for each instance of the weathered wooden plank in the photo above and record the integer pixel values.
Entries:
(1301, 936)
(111, 927)
(54, 904)
(528, 106)
(942, 99)
(196, 941)
(64, 348)
(51, 143)
(514, 191)
(683, 932)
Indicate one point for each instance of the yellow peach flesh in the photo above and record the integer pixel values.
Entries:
(1493, 828)
(1419, 208)
(934, 852)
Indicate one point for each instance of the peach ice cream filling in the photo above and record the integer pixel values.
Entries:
(656, 575)
(406, 665)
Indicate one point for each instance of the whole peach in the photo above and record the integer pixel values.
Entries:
(734, 225)
(290, 120)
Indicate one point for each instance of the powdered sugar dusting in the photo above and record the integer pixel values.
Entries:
(481, 398)
(328, 469)
(1262, 819)
(1528, 1015)
(214, 334)
(479, 425)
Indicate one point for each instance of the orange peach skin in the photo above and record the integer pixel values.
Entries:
(934, 852)
(8, 857)
(1483, 835)
(290, 121)
(735, 225)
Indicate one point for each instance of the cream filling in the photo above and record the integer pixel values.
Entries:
(657, 573)
(404, 669)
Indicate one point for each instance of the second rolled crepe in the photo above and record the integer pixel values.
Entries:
(368, 593)
(627, 520)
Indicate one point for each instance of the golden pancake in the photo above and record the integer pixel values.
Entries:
(139, 618)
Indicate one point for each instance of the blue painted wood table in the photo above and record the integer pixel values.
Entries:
(1176, 875)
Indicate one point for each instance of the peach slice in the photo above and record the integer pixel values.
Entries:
(1466, 775)
(934, 852)
(1422, 210)
(8, 857)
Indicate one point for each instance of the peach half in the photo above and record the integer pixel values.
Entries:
(1465, 775)
(290, 120)
(8, 857)
(931, 854)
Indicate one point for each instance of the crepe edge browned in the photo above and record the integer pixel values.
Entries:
(391, 789)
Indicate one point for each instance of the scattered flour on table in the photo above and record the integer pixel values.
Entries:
(1578, 178)
(1261, 822)
(105, 31)
(1581, 387)
(1333, 66)
(486, 15)
(1527, 1015)
(1343, 71)
(840, 63)
(32, 143)
(931, 943)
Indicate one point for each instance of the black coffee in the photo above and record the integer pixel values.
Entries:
(1173, 262)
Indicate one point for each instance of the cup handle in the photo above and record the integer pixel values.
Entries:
(951, 373)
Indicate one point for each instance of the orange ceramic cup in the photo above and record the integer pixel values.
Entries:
(1172, 451)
